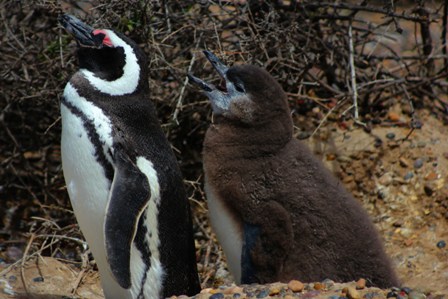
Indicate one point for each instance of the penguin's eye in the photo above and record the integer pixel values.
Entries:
(239, 87)
(102, 36)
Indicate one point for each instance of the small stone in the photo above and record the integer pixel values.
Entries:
(409, 175)
(38, 279)
(236, 295)
(217, 296)
(390, 135)
(441, 244)
(361, 284)
(12, 278)
(406, 290)
(421, 144)
(403, 162)
(428, 190)
(373, 295)
(378, 142)
(408, 242)
(352, 293)
(262, 294)
(328, 283)
(391, 295)
(393, 116)
(431, 176)
(418, 163)
(295, 286)
(318, 286)
(416, 295)
(274, 289)
(402, 295)
(331, 157)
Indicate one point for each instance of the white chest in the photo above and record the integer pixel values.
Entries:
(228, 231)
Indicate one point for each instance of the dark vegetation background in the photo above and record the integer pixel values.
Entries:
(310, 47)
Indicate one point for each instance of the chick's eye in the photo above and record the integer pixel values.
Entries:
(239, 87)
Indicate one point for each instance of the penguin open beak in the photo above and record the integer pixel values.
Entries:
(83, 33)
(219, 97)
(220, 67)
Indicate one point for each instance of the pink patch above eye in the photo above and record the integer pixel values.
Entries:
(106, 39)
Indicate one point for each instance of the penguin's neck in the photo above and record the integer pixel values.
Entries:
(235, 141)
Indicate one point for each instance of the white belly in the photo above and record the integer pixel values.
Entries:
(228, 231)
(88, 189)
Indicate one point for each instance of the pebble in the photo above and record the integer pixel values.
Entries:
(421, 144)
(390, 135)
(236, 295)
(352, 293)
(38, 279)
(393, 116)
(409, 175)
(391, 294)
(361, 284)
(217, 296)
(274, 289)
(403, 162)
(441, 244)
(12, 278)
(428, 190)
(372, 295)
(295, 286)
(328, 283)
(431, 176)
(378, 142)
(318, 286)
(406, 290)
(418, 163)
(262, 294)
(416, 295)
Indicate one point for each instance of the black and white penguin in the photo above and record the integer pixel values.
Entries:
(122, 177)
(278, 213)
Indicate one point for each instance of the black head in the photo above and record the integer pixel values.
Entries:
(103, 52)
(250, 96)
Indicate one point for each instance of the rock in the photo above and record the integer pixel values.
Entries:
(352, 293)
(295, 286)
(416, 295)
(441, 244)
(409, 175)
(403, 162)
(393, 116)
(318, 286)
(275, 289)
(421, 144)
(38, 279)
(361, 284)
(428, 190)
(431, 176)
(262, 294)
(390, 135)
(217, 296)
(418, 163)
(406, 290)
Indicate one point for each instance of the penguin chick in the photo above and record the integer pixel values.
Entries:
(122, 177)
(278, 213)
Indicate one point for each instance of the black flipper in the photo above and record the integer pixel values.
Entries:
(128, 198)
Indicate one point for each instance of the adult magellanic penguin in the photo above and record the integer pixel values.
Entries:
(279, 214)
(121, 174)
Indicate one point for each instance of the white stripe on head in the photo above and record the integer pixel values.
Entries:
(128, 82)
